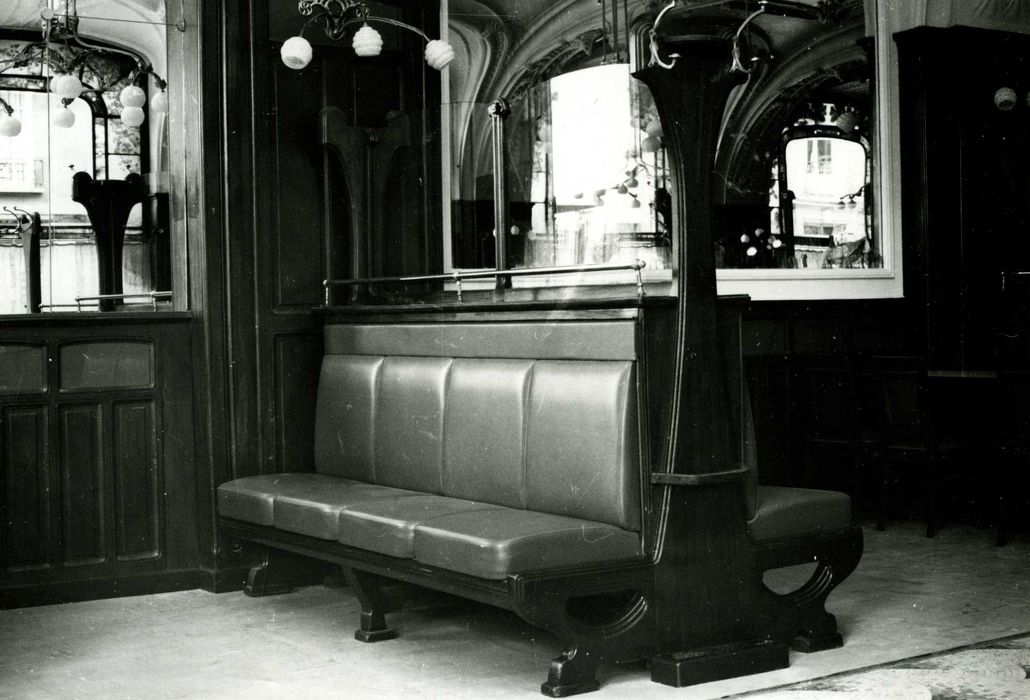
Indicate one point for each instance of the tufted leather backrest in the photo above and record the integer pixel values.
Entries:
(550, 435)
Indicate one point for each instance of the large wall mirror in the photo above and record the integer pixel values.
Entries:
(586, 178)
(797, 177)
(87, 218)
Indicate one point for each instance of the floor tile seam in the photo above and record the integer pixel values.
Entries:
(879, 666)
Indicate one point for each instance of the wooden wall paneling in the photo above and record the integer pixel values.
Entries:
(105, 364)
(964, 184)
(218, 39)
(178, 456)
(296, 169)
(26, 483)
(298, 357)
(23, 368)
(245, 219)
(84, 511)
(136, 480)
(93, 503)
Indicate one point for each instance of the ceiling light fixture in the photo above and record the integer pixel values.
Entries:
(338, 15)
(69, 59)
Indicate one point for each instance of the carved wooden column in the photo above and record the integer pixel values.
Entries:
(690, 99)
(31, 230)
(711, 603)
(108, 203)
(365, 155)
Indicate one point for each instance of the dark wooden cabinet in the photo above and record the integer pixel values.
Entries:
(97, 490)
(966, 184)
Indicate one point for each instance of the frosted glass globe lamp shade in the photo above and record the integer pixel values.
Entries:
(132, 96)
(67, 87)
(9, 126)
(64, 118)
(847, 122)
(1005, 99)
(367, 41)
(439, 53)
(159, 102)
(296, 52)
(133, 116)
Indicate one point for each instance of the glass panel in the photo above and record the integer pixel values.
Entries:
(587, 180)
(827, 181)
(90, 134)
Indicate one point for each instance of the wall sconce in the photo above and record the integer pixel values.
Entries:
(338, 15)
(68, 68)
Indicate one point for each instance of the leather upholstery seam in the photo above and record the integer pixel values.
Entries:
(527, 394)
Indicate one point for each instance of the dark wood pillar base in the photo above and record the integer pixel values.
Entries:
(718, 662)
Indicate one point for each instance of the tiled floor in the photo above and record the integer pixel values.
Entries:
(909, 596)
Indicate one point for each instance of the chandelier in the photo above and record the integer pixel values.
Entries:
(71, 62)
(337, 16)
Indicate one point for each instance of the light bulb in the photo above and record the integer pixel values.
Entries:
(64, 118)
(439, 53)
(367, 41)
(132, 96)
(132, 116)
(635, 203)
(159, 102)
(744, 238)
(632, 182)
(752, 252)
(296, 52)
(777, 243)
(10, 126)
(68, 87)
(622, 189)
(654, 128)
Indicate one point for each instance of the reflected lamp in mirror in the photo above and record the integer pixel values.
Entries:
(338, 16)
(817, 214)
(74, 66)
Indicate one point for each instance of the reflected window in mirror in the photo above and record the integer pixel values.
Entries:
(818, 213)
(587, 182)
(59, 137)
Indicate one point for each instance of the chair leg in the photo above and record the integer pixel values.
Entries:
(368, 589)
(572, 673)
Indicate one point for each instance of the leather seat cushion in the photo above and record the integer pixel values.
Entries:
(308, 504)
(493, 544)
(792, 512)
(387, 526)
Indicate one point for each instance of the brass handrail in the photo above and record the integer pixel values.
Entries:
(153, 296)
(457, 276)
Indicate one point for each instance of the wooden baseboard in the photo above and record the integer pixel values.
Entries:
(51, 593)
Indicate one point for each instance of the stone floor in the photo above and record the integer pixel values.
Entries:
(909, 596)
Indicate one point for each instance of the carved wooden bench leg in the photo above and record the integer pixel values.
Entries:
(368, 588)
(279, 571)
(572, 673)
(818, 633)
(270, 577)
